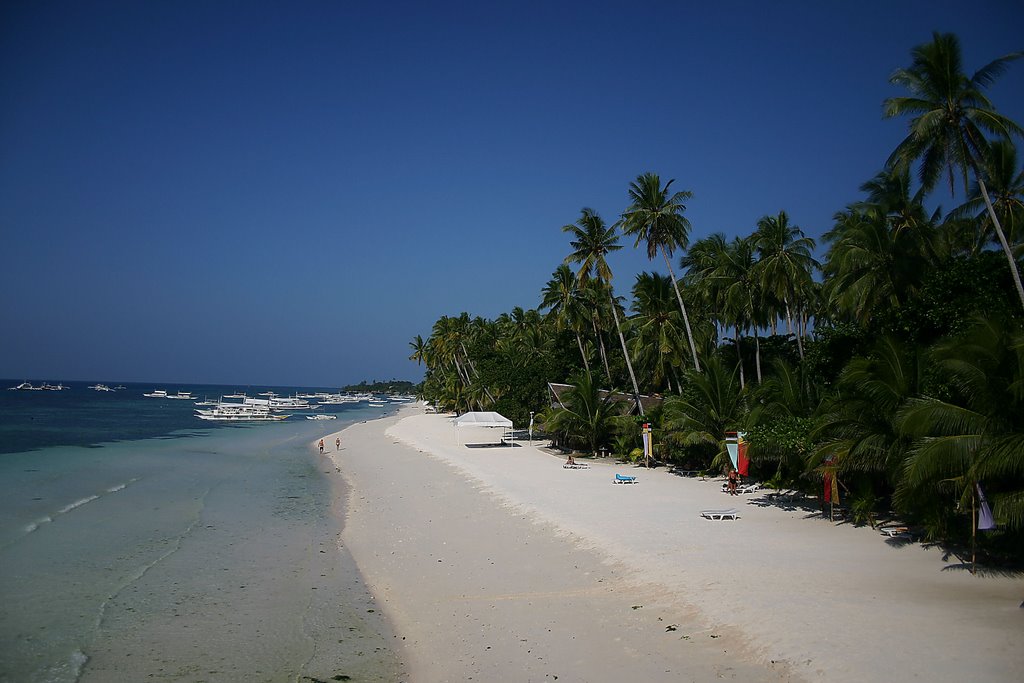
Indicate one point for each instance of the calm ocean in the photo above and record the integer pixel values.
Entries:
(138, 542)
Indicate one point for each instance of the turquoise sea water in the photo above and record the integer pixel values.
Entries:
(138, 542)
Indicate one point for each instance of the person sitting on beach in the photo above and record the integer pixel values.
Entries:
(570, 462)
(732, 482)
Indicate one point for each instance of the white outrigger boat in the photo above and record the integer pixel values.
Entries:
(322, 416)
(100, 387)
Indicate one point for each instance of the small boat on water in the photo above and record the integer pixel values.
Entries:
(181, 396)
(156, 393)
(321, 416)
(100, 387)
(46, 386)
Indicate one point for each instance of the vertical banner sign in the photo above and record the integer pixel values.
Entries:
(647, 439)
(742, 461)
(733, 446)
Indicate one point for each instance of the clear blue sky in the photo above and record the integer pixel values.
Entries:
(287, 193)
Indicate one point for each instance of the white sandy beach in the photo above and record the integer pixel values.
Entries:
(497, 564)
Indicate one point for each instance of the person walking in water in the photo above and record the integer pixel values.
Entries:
(321, 446)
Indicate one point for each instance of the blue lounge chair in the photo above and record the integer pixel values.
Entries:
(623, 479)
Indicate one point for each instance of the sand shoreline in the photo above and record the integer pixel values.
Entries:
(465, 548)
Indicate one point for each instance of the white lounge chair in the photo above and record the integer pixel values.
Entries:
(748, 488)
(719, 514)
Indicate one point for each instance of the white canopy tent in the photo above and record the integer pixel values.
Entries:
(484, 419)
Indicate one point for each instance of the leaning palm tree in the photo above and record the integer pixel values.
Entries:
(656, 217)
(1006, 188)
(950, 116)
(592, 240)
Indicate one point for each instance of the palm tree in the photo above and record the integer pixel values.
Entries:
(419, 350)
(561, 296)
(950, 116)
(586, 418)
(658, 340)
(977, 435)
(1006, 185)
(656, 217)
(713, 405)
(784, 264)
(592, 240)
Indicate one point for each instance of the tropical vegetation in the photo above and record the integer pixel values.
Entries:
(894, 364)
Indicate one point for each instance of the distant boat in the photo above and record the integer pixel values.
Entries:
(156, 393)
(119, 387)
(181, 396)
(100, 387)
(321, 417)
(27, 386)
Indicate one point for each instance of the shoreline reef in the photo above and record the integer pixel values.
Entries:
(493, 562)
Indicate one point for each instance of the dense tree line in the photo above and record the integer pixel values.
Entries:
(895, 364)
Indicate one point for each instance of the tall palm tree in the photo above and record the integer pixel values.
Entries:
(592, 240)
(784, 263)
(1006, 187)
(950, 116)
(656, 217)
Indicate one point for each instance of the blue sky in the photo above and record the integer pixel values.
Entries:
(287, 193)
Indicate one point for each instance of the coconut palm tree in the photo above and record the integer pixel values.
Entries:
(656, 217)
(592, 240)
(658, 341)
(977, 435)
(713, 405)
(1006, 189)
(784, 264)
(586, 419)
(950, 118)
(561, 296)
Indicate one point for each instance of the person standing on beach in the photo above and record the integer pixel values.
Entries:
(321, 446)
(337, 444)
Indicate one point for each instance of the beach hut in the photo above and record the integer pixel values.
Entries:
(485, 419)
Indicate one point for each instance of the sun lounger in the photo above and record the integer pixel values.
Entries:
(577, 466)
(748, 488)
(719, 514)
(623, 479)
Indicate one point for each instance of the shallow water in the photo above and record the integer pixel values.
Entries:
(206, 555)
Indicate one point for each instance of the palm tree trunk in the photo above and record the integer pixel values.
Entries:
(739, 356)
(682, 307)
(789, 323)
(604, 353)
(629, 364)
(757, 353)
(583, 354)
(1002, 238)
